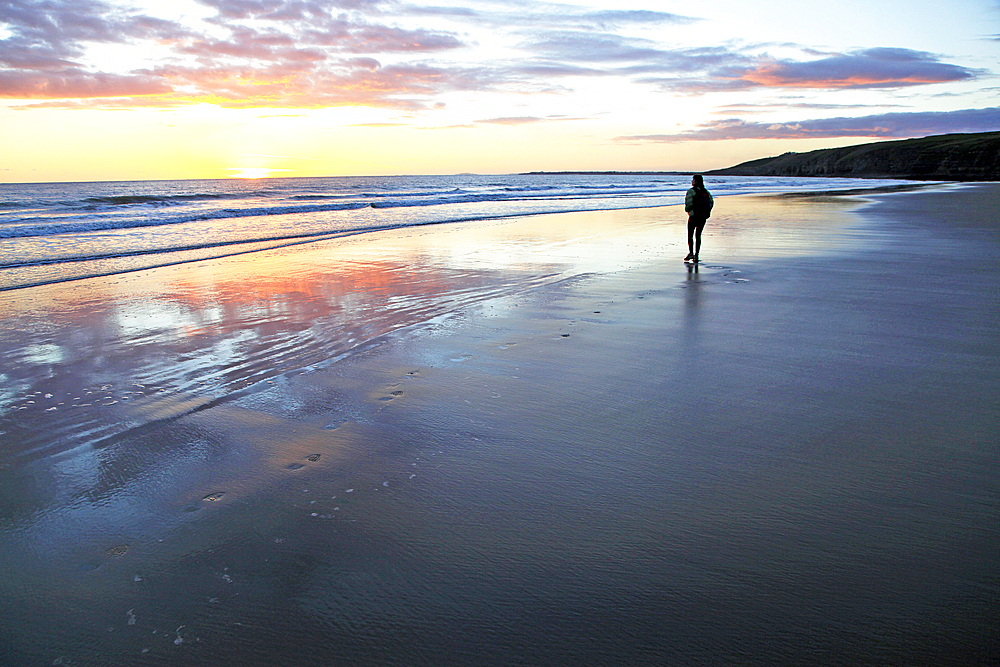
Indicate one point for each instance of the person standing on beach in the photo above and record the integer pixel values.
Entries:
(698, 205)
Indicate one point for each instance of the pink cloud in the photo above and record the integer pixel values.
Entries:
(78, 84)
(873, 68)
(290, 58)
(348, 37)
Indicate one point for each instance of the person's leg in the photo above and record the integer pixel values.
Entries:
(692, 226)
(699, 226)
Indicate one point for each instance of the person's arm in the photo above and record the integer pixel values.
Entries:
(689, 201)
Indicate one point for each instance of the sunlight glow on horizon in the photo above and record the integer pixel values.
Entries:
(253, 173)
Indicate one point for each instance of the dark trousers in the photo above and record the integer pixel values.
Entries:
(695, 226)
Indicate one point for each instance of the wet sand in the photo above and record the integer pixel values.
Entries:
(543, 441)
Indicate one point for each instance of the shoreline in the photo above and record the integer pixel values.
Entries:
(73, 232)
(542, 440)
(888, 189)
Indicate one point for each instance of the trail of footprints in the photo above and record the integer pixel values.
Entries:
(182, 635)
(163, 641)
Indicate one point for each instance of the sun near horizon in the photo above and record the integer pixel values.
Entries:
(253, 173)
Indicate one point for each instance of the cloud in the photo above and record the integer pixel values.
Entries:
(607, 49)
(890, 125)
(309, 53)
(261, 52)
(452, 12)
(512, 120)
(525, 120)
(354, 37)
(620, 55)
(537, 16)
(283, 10)
(728, 68)
(249, 44)
(364, 83)
(772, 107)
(869, 68)
(49, 35)
(72, 83)
(617, 17)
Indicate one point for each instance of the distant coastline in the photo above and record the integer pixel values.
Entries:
(948, 157)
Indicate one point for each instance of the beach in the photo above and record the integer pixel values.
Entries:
(541, 440)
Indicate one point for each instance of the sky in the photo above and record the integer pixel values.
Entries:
(162, 89)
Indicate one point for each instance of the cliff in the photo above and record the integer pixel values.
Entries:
(949, 157)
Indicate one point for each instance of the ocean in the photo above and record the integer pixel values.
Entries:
(53, 232)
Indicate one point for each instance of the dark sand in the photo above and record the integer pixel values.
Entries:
(536, 442)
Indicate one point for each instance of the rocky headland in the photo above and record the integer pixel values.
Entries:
(949, 157)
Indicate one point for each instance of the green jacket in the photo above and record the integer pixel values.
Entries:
(689, 201)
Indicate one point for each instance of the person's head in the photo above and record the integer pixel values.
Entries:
(698, 181)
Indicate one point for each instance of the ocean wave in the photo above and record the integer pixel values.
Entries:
(162, 200)
(320, 197)
(77, 224)
(112, 202)
(92, 257)
(27, 228)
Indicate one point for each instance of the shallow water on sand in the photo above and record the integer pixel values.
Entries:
(509, 445)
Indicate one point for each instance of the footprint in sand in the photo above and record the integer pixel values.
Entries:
(118, 550)
(313, 458)
(213, 497)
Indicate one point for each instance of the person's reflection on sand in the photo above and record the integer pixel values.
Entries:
(692, 306)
